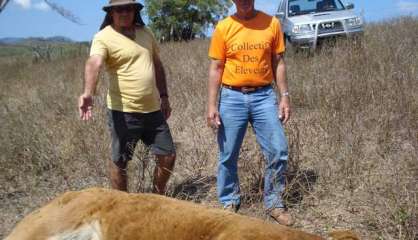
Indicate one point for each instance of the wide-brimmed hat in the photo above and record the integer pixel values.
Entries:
(114, 3)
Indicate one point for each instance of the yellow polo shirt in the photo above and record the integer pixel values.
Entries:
(130, 65)
(247, 48)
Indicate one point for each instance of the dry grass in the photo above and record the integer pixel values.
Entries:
(353, 136)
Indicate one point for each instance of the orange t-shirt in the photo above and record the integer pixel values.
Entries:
(247, 48)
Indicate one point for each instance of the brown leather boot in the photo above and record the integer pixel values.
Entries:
(232, 208)
(282, 216)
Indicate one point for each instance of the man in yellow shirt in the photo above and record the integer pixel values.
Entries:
(247, 55)
(137, 98)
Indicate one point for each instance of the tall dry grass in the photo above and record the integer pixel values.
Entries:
(353, 136)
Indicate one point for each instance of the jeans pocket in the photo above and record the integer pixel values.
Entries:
(131, 119)
(271, 91)
(224, 92)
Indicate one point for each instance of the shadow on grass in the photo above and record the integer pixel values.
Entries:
(194, 188)
(299, 184)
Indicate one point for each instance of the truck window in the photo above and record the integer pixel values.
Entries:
(300, 7)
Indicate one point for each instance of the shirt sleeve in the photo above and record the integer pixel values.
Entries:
(279, 45)
(217, 49)
(98, 47)
(155, 47)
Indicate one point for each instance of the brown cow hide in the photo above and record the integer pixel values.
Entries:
(101, 214)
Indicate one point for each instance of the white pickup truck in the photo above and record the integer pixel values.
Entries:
(306, 23)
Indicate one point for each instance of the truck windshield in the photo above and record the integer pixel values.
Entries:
(300, 7)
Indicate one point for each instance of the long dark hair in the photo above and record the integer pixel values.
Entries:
(137, 20)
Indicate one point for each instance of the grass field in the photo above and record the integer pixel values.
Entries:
(353, 135)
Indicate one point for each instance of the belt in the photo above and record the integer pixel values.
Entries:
(244, 89)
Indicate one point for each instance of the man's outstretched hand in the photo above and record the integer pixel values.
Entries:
(85, 107)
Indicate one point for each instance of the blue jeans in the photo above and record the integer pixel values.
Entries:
(260, 109)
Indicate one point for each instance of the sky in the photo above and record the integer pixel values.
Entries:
(33, 18)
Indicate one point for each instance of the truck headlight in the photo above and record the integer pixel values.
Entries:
(354, 22)
(302, 28)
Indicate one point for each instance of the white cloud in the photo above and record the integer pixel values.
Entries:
(29, 4)
(23, 3)
(408, 6)
(41, 6)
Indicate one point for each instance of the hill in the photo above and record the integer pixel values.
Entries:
(35, 40)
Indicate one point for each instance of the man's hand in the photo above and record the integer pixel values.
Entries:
(279, 67)
(85, 106)
(85, 102)
(165, 108)
(284, 109)
(213, 118)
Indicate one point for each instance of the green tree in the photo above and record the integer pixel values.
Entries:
(174, 20)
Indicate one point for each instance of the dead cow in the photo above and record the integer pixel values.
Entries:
(101, 214)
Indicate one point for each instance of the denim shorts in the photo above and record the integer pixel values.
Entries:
(127, 129)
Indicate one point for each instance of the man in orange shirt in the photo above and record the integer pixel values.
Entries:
(246, 56)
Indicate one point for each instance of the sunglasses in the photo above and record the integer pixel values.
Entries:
(120, 9)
